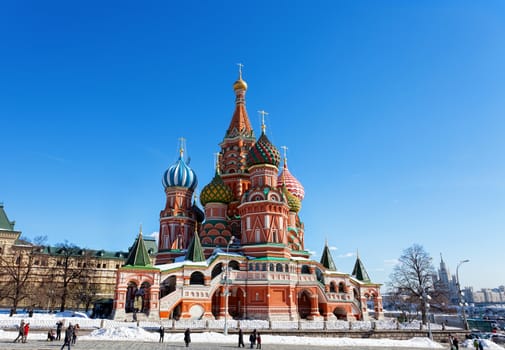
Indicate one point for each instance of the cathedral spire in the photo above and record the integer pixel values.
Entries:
(240, 124)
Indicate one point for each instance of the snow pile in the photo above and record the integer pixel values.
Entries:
(121, 333)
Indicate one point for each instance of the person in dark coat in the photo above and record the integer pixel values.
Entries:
(162, 333)
(59, 325)
(240, 338)
(252, 338)
(21, 332)
(187, 337)
(69, 334)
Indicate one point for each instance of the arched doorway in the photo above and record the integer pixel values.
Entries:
(131, 291)
(236, 303)
(216, 303)
(304, 304)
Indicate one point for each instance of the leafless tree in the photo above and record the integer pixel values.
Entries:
(17, 271)
(412, 278)
(72, 263)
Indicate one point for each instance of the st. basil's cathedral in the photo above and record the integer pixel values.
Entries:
(243, 256)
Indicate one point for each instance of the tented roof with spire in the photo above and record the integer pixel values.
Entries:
(359, 271)
(139, 255)
(327, 259)
(195, 251)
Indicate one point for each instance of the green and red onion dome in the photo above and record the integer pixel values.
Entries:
(263, 152)
(216, 192)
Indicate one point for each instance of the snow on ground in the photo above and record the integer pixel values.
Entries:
(139, 334)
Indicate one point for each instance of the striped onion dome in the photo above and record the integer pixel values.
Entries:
(294, 203)
(180, 175)
(292, 184)
(216, 191)
(263, 152)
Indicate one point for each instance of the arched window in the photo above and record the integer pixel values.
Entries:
(217, 270)
(278, 267)
(306, 269)
(196, 278)
(341, 287)
(333, 287)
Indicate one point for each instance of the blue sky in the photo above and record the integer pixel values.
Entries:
(392, 112)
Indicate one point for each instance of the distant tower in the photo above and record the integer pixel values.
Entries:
(180, 216)
(443, 273)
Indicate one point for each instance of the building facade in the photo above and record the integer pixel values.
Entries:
(244, 255)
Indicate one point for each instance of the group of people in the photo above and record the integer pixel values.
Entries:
(24, 328)
(70, 334)
(254, 339)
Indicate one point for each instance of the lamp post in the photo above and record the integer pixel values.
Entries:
(426, 300)
(226, 286)
(460, 301)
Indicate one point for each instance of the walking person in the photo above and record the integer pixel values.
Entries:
(21, 331)
(258, 341)
(59, 325)
(26, 329)
(240, 338)
(187, 337)
(455, 343)
(69, 333)
(75, 333)
(162, 334)
(252, 339)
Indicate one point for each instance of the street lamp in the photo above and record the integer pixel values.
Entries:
(460, 301)
(226, 287)
(426, 300)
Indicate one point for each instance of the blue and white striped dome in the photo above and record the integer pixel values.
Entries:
(180, 175)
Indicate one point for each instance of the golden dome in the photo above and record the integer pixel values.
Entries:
(240, 84)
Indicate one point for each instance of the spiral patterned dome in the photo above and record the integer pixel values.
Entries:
(216, 191)
(180, 175)
(294, 203)
(263, 152)
(292, 184)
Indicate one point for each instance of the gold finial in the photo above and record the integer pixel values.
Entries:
(140, 229)
(182, 143)
(263, 126)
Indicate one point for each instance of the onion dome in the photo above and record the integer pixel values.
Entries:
(180, 175)
(294, 203)
(292, 184)
(216, 191)
(263, 152)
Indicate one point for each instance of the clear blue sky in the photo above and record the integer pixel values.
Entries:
(393, 113)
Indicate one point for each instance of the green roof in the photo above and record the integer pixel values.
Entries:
(139, 256)
(359, 271)
(5, 224)
(195, 251)
(327, 259)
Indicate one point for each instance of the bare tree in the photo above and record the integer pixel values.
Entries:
(412, 278)
(72, 263)
(17, 271)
